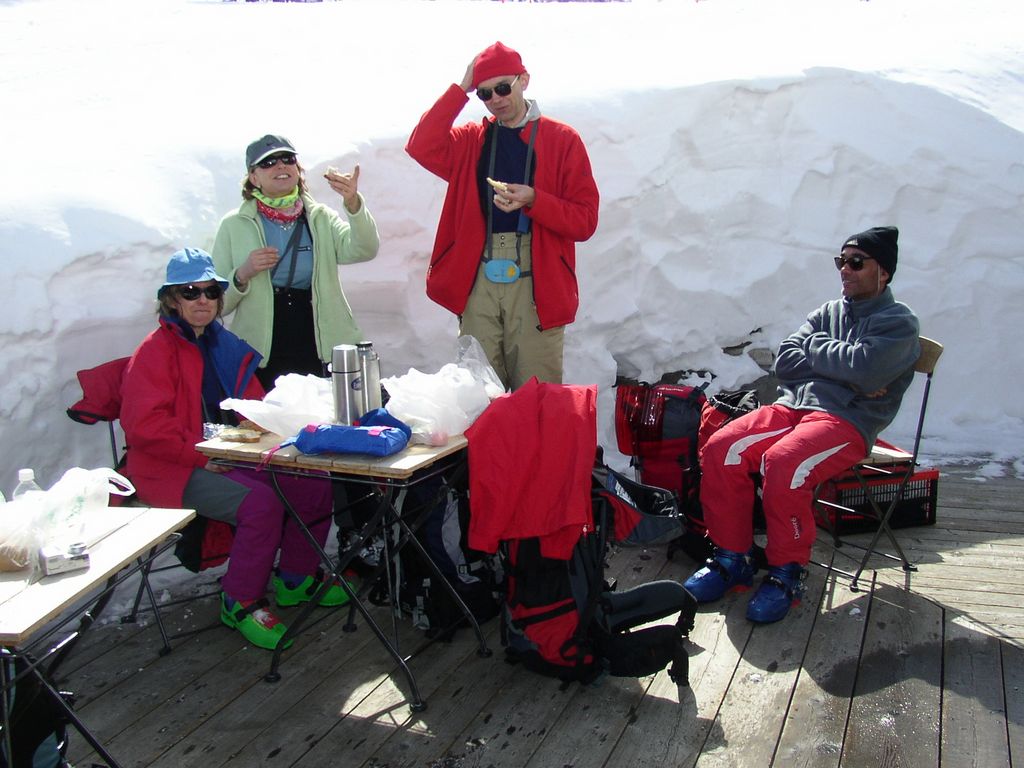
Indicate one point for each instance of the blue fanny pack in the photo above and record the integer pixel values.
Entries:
(501, 270)
(377, 433)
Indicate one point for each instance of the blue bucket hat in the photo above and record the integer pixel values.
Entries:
(190, 265)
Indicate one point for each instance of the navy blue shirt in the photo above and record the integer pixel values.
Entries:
(510, 167)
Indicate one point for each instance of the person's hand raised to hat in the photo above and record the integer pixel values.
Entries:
(346, 185)
(467, 79)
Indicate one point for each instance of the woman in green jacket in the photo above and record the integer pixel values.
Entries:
(281, 250)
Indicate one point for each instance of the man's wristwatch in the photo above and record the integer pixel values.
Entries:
(238, 283)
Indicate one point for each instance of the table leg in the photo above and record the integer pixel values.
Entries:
(333, 570)
(78, 725)
(6, 682)
(33, 667)
(144, 574)
(410, 537)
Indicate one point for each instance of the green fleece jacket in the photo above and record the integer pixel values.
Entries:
(335, 241)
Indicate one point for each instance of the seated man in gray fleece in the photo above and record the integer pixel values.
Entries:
(842, 376)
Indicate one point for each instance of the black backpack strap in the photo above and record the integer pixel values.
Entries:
(595, 584)
(537, 618)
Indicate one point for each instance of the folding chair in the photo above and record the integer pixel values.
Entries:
(897, 466)
(203, 542)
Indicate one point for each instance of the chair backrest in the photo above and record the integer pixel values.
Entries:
(101, 398)
(204, 543)
(931, 350)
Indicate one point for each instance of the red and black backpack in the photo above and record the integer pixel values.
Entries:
(564, 619)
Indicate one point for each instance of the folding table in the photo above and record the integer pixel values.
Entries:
(393, 475)
(30, 611)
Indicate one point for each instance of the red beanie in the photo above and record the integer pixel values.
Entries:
(495, 61)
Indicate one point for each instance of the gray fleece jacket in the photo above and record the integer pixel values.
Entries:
(846, 351)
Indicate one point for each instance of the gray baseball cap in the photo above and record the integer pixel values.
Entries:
(266, 146)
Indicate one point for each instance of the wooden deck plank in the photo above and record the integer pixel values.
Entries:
(816, 722)
(206, 694)
(604, 711)
(754, 709)
(123, 651)
(993, 494)
(973, 706)
(671, 723)
(998, 580)
(264, 706)
(383, 716)
(128, 700)
(432, 736)
(516, 720)
(593, 723)
(940, 540)
(363, 695)
(895, 716)
(660, 735)
(513, 727)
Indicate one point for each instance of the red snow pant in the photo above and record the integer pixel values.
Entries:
(793, 451)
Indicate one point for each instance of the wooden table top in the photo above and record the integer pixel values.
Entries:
(123, 534)
(398, 466)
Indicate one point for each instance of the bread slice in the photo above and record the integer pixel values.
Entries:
(240, 435)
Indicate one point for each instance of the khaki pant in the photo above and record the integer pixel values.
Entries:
(503, 318)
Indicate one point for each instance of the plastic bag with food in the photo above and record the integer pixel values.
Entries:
(439, 405)
(64, 511)
(19, 537)
(295, 401)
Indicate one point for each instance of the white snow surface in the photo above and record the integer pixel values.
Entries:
(736, 143)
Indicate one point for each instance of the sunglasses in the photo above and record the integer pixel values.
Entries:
(270, 162)
(856, 262)
(502, 89)
(192, 292)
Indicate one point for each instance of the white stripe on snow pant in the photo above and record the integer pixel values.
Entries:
(732, 457)
(805, 467)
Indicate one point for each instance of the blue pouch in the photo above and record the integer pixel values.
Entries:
(501, 270)
(377, 433)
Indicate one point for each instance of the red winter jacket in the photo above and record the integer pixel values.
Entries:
(161, 408)
(564, 212)
(531, 456)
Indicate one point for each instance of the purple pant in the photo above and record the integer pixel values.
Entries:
(262, 527)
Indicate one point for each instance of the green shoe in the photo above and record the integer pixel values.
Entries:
(253, 619)
(304, 591)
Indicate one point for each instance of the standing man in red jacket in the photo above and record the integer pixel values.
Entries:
(521, 194)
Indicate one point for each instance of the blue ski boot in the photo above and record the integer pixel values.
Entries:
(782, 587)
(724, 571)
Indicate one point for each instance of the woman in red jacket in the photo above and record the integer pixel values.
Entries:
(173, 384)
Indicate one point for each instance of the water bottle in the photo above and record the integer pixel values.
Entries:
(347, 383)
(26, 483)
(369, 367)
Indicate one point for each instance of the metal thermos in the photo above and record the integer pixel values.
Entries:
(347, 382)
(369, 366)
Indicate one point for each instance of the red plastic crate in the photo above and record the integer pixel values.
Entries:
(918, 507)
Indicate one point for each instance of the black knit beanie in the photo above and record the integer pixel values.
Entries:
(880, 243)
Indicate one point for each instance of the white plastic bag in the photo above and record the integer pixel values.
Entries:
(438, 405)
(63, 511)
(295, 401)
(19, 538)
(59, 516)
